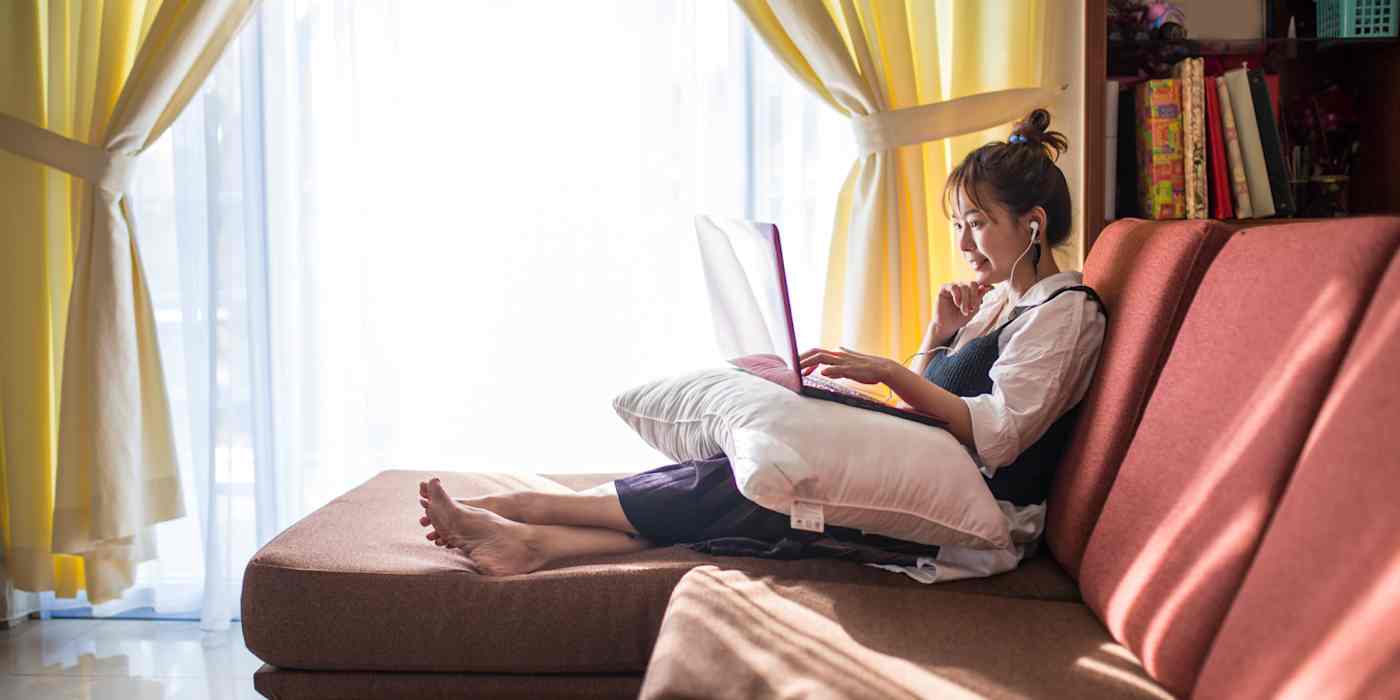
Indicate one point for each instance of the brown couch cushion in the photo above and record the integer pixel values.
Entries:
(275, 682)
(354, 586)
(1255, 355)
(1146, 272)
(1330, 562)
(728, 634)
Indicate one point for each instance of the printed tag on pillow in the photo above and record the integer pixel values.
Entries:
(808, 516)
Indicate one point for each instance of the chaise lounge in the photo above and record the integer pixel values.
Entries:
(1223, 525)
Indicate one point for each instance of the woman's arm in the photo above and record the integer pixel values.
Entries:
(933, 337)
(926, 397)
(921, 394)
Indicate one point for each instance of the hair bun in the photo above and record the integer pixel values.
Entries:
(1034, 130)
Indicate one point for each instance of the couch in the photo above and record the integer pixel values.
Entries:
(1224, 524)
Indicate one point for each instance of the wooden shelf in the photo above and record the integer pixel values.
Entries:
(1366, 68)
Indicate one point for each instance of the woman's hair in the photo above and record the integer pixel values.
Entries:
(1020, 175)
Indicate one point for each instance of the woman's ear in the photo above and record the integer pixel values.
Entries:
(1038, 216)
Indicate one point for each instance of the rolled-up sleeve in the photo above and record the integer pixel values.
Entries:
(1046, 361)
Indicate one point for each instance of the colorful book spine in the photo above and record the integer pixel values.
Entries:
(1217, 166)
(1244, 209)
(1191, 74)
(1161, 162)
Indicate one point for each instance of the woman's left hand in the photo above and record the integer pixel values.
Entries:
(866, 369)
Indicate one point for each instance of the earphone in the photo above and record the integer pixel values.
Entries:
(1033, 249)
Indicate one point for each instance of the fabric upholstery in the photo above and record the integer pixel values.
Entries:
(1331, 558)
(88, 88)
(1253, 359)
(778, 637)
(1146, 272)
(285, 684)
(344, 587)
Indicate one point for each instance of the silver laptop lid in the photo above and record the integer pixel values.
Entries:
(743, 262)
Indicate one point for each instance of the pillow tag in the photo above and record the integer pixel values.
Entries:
(808, 516)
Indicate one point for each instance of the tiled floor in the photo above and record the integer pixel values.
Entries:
(126, 659)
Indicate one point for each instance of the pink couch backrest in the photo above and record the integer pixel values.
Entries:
(1146, 273)
(1318, 613)
(1251, 363)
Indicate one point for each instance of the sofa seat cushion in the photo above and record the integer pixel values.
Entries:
(779, 637)
(355, 586)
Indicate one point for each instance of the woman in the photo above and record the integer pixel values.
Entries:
(1022, 343)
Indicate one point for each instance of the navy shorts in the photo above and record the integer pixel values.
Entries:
(698, 504)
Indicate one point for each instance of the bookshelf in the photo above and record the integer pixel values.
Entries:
(1368, 69)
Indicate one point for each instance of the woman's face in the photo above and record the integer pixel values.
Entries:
(990, 240)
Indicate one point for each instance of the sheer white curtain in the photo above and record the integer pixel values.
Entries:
(443, 235)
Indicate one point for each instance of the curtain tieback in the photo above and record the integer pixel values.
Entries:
(884, 131)
(109, 170)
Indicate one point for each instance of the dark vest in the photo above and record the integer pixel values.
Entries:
(967, 372)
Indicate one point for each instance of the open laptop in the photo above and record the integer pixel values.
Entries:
(743, 263)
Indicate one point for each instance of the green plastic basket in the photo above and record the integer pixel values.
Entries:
(1357, 19)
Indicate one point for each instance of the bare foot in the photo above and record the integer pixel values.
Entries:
(498, 545)
(502, 504)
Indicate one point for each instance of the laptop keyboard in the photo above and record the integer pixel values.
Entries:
(833, 386)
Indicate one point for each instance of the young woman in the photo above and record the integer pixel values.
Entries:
(1006, 357)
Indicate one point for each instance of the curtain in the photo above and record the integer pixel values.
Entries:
(89, 463)
(372, 245)
(922, 84)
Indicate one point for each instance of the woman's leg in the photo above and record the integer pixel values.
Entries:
(501, 546)
(595, 507)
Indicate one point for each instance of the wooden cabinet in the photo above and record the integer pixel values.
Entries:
(1368, 69)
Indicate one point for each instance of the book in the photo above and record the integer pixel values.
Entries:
(1126, 175)
(1272, 145)
(1191, 74)
(1110, 151)
(1217, 165)
(1161, 162)
(1244, 209)
(1247, 128)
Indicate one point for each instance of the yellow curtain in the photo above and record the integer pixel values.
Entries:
(924, 83)
(87, 451)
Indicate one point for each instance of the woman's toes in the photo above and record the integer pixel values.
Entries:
(432, 535)
(437, 492)
(423, 489)
(424, 502)
(425, 521)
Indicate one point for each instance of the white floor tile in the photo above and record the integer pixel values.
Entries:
(105, 688)
(127, 649)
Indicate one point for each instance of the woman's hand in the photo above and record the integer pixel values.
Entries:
(958, 302)
(866, 369)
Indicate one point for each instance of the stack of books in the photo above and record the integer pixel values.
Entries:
(1195, 146)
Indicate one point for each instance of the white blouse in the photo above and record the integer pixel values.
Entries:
(1047, 359)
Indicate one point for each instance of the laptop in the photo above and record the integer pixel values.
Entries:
(748, 289)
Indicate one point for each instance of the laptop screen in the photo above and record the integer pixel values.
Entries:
(748, 297)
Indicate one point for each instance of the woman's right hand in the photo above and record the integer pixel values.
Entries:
(958, 302)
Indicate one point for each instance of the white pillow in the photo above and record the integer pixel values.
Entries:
(868, 470)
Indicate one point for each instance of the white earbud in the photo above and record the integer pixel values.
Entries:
(1035, 231)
